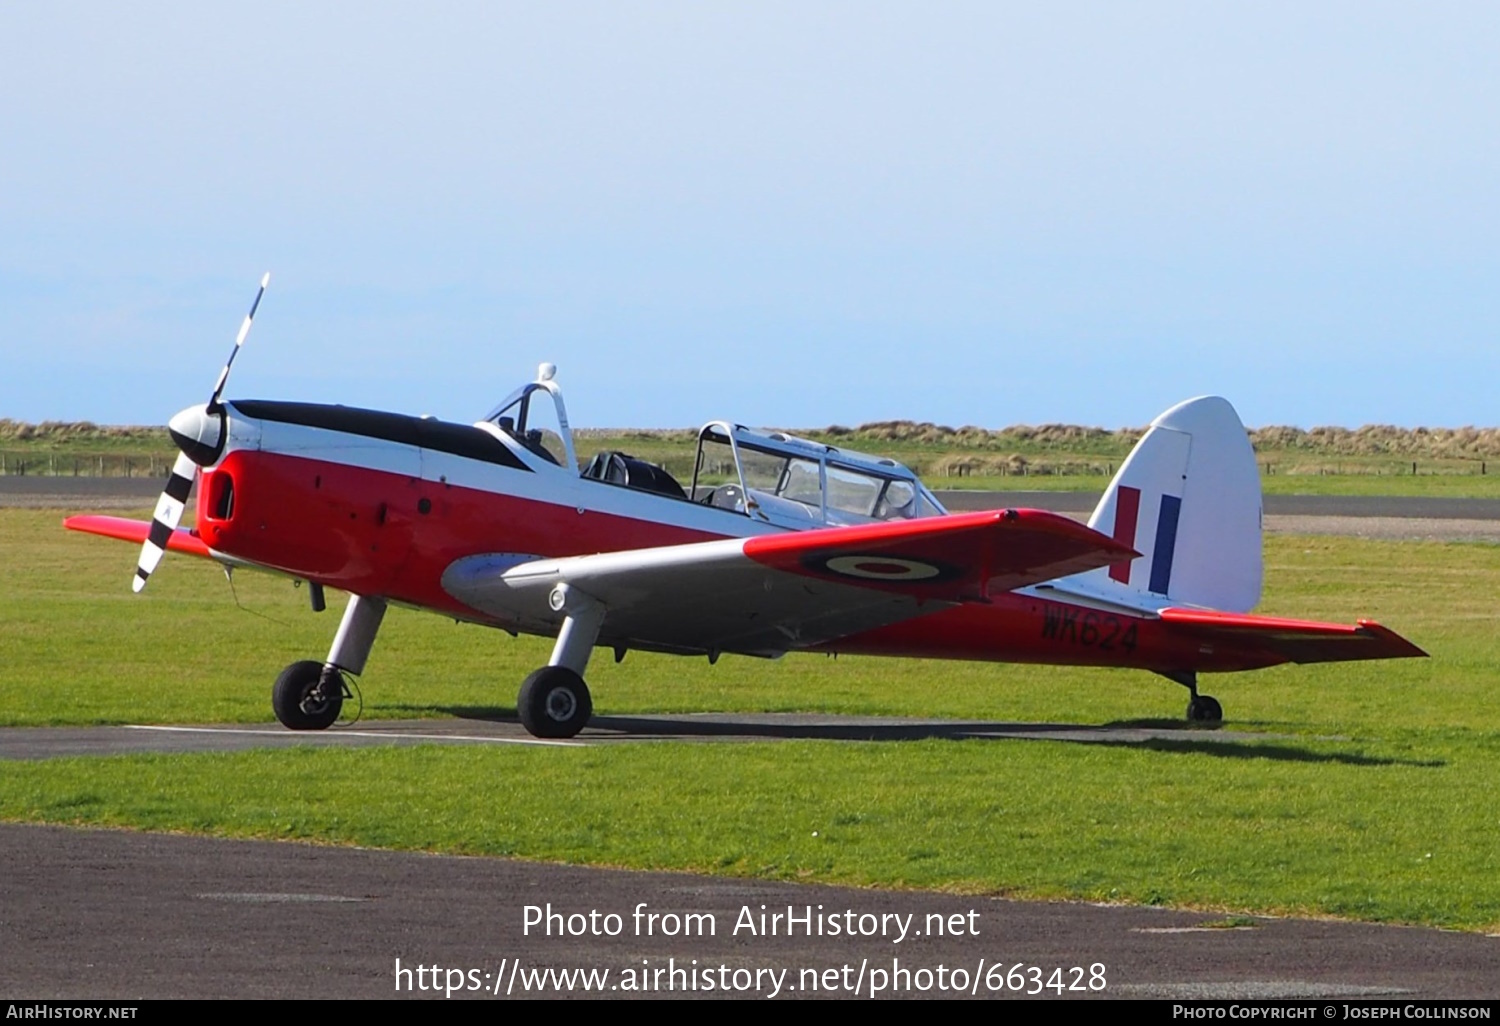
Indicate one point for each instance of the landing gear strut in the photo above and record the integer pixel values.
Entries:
(309, 695)
(554, 701)
(1201, 708)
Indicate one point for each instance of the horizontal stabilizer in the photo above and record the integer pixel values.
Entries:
(137, 531)
(1296, 641)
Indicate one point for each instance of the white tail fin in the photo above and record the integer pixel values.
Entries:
(1188, 500)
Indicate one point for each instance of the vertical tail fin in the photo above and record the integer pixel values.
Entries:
(1188, 499)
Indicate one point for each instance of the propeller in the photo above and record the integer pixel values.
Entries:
(200, 432)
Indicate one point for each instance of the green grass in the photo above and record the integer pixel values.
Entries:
(1368, 795)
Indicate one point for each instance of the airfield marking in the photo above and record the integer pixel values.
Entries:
(1190, 929)
(367, 733)
(278, 899)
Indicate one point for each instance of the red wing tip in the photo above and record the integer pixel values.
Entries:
(1386, 634)
(97, 523)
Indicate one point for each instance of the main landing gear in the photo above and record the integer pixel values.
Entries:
(1201, 708)
(554, 701)
(309, 695)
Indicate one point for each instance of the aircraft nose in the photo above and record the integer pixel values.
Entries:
(198, 433)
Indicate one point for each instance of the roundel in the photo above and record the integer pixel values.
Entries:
(882, 568)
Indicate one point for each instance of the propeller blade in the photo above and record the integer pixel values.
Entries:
(188, 432)
(213, 403)
(166, 518)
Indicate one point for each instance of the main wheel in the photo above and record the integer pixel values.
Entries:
(554, 702)
(296, 700)
(1205, 709)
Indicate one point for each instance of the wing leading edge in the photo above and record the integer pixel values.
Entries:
(955, 558)
(137, 531)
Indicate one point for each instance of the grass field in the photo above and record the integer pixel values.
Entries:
(1366, 792)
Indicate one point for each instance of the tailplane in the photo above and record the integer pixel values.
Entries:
(1188, 500)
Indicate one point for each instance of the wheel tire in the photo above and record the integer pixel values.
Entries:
(1205, 709)
(554, 702)
(291, 698)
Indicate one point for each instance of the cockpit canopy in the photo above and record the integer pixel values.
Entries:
(794, 482)
(769, 476)
(539, 427)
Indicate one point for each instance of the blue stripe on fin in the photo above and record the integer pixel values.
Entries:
(1166, 541)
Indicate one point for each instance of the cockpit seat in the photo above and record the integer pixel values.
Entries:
(621, 468)
(533, 441)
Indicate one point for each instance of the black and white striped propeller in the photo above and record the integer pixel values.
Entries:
(199, 432)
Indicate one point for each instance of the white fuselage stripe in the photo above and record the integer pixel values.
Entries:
(545, 483)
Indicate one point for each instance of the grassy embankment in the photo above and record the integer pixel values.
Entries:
(1364, 791)
(1372, 460)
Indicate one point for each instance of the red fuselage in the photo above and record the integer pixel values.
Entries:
(379, 532)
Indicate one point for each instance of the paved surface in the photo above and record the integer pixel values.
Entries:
(109, 914)
(1272, 505)
(1374, 517)
(100, 492)
(80, 493)
(1396, 519)
(54, 742)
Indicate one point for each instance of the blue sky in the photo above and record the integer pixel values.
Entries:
(780, 213)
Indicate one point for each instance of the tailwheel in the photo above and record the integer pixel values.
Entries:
(1205, 709)
(1201, 708)
(554, 703)
(305, 697)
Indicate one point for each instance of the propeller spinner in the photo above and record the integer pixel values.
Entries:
(200, 432)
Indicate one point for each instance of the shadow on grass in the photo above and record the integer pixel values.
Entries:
(1137, 734)
(1260, 750)
(1171, 737)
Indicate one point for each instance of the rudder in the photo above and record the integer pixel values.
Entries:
(1188, 499)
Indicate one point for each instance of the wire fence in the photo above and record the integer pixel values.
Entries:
(35, 464)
